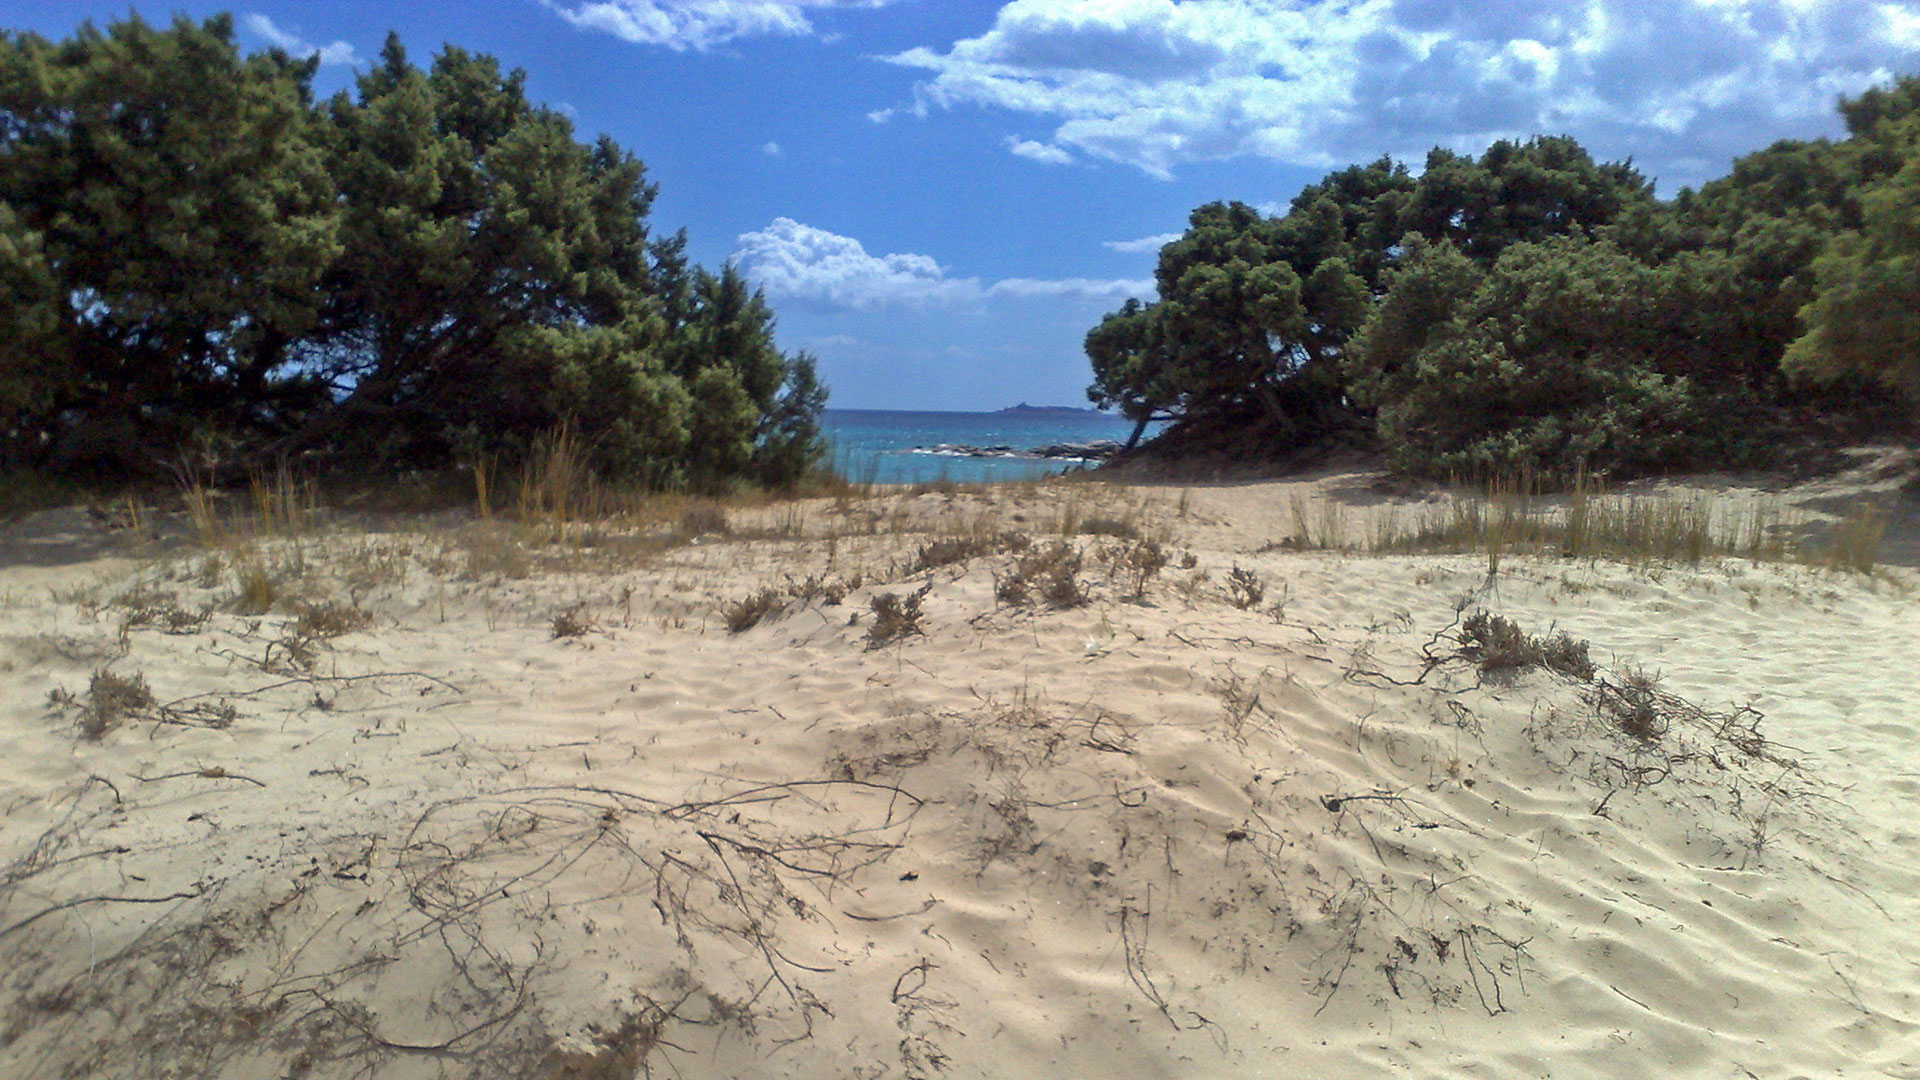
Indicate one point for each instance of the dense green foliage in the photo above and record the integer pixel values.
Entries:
(1533, 309)
(197, 256)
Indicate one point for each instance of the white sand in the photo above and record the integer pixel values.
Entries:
(1161, 839)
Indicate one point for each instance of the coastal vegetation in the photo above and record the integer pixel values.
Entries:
(201, 262)
(1533, 310)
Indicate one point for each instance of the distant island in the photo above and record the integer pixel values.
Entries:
(1024, 409)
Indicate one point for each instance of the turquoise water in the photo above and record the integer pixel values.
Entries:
(873, 446)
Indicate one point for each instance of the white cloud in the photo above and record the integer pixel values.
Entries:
(1673, 83)
(1038, 151)
(772, 149)
(336, 53)
(1145, 243)
(831, 341)
(799, 262)
(699, 24)
(1080, 287)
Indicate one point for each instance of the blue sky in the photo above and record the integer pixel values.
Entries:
(940, 197)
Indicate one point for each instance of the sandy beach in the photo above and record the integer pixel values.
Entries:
(467, 799)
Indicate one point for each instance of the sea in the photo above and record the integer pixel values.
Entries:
(887, 447)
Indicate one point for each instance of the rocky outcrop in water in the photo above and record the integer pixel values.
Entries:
(1098, 450)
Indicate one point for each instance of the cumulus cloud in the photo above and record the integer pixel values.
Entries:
(335, 53)
(1145, 243)
(1680, 85)
(772, 149)
(799, 262)
(1038, 151)
(699, 24)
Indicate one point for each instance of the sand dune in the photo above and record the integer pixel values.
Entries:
(1165, 837)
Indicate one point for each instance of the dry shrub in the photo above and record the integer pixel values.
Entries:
(1244, 589)
(1497, 644)
(1136, 564)
(148, 607)
(329, 619)
(494, 553)
(110, 697)
(1118, 528)
(370, 565)
(705, 519)
(575, 621)
(1047, 575)
(1633, 705)
(746, 614)
(829, 591)
(896, 616)
(958, 549)
(169, 619)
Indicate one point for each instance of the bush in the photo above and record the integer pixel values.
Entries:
(1544, 368)
(110, 697)
(896, 616)
(958, 549)
(1137, 563)
(1049, 574)
(748, 613)
(1244, 589)
(1496, 644)
(573, 622)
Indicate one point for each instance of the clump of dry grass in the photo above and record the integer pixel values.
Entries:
(1049, 575)
(1854, 541)
(896, 616)
(744, 615)
(259, 591)
(1514, 515)
(1497, 644)
(281, 503)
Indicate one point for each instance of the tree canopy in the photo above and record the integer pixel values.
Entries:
(1533, 308)
(200, 256)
